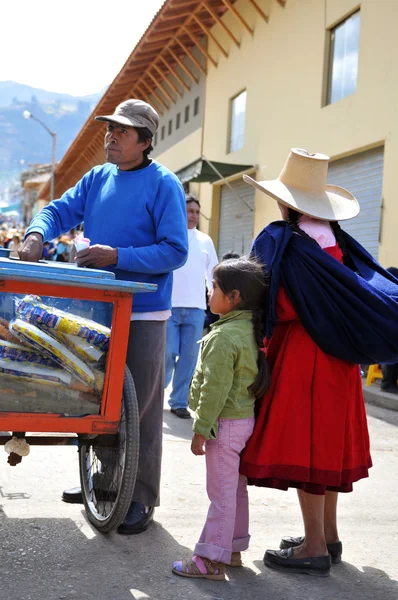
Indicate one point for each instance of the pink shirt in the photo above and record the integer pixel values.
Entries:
(320, 231)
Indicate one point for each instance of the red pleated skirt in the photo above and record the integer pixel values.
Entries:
(311, 430)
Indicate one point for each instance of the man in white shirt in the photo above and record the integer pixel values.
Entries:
(185, 326)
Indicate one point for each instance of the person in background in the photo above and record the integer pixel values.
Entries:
(133, 210)
(48, 250)
(14, 245)
(390, 372)
(185, 326)
(62, 249)
(231, 374)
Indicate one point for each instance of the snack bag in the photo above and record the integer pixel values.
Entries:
(32, 310)
(45, 343)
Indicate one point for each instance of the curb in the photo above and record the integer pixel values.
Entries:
(374, 395)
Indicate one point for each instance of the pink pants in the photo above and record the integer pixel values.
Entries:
(227, 526)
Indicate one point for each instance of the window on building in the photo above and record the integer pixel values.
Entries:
(162, 132)
(196, 107)
(170, 127)
(178, 120)
(343, 63)
(237, 122)
(186, 114)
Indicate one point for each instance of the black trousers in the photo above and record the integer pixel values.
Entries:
(390, 375)
(145, 359)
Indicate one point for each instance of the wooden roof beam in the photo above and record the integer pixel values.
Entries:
(169, 83)
(154, 93)
(177, 16)
(221, 23)
(238, 16)
(209, 34)
(183, 66)
(191, 56)
(259, 10)
(144, 95)
(282, 3)
(200, 48)
(175, 74)
(164, 92)
(151, 50)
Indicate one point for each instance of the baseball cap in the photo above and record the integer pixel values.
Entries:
(134, 113)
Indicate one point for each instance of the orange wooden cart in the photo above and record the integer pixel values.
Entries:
(108, 429)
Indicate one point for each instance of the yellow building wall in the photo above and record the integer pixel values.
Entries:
(283, 68)
(183, 153)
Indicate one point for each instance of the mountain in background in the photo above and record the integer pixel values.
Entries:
(25, 139)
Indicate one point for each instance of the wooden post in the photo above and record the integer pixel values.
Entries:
(175, 74)
(221, 23)
(259, 10)
(169, 83)
(191, 56)
(199, 47)
(183, 67)
(210, 35)
(238, 16)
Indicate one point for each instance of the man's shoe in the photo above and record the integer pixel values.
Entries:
(137, 519)
(284, 560)
(182, 413)
(73, 496)
(335, 549)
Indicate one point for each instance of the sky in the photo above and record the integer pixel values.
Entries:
(75, 47)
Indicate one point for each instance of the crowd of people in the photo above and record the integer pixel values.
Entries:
(277, 393)
(60, 249)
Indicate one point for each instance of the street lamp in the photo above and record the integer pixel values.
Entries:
(28, 115)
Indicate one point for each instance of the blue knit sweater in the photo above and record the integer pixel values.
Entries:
(141, 213)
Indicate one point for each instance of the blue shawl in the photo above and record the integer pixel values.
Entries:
(350, 315)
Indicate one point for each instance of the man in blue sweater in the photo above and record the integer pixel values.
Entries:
(133, 210)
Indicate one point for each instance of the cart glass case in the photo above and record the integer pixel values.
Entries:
(63, 342)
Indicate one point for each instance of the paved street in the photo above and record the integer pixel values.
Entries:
(49, 552)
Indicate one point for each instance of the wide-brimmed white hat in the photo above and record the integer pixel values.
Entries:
(302, 186)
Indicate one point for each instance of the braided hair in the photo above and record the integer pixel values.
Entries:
(293, 219)
(248, 277)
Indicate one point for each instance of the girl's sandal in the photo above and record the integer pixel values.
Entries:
(187, 568)
(236, 560)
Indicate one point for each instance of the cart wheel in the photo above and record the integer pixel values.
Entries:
(108, 466)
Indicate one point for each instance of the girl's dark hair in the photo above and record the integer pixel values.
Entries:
(248, 277)
(143, 135)
(293, 218)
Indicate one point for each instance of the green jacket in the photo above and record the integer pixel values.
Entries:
(227, 366)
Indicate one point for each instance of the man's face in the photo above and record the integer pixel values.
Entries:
(193, 212)
(122, 146)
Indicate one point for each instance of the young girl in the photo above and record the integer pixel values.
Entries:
(232, 373)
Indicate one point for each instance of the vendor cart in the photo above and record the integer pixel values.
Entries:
(63, 378)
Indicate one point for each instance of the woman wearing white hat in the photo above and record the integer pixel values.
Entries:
(331, 307)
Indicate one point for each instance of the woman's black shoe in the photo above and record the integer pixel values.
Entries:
(335, 549)
(284, 560)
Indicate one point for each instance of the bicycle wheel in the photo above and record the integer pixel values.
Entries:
(108, 466)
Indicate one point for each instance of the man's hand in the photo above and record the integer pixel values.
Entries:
(31, 249)
(197, 444)
(97, 256)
